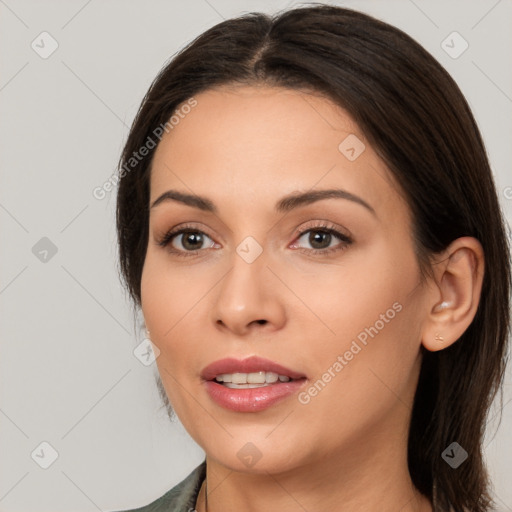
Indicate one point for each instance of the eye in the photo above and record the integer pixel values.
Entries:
(322, 239)
(190, 240)
(186, 241)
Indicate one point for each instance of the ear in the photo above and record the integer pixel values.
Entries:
(454, 298)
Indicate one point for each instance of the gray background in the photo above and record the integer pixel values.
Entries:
(68, 375)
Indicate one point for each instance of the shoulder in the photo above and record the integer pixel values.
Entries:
(181, 498)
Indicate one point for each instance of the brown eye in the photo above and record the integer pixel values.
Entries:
(191, 240)
(321, 239)
(186, 241)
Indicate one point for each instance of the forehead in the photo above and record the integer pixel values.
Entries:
(256, 114)
(262, 141)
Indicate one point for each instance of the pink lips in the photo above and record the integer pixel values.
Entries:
(253, 399)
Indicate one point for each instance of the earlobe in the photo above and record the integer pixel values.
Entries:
(455, 296)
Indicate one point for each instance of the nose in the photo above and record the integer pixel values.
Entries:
(248, 299)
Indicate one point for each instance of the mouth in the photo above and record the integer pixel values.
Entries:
(251, 380)
(253, 370)
(250, 385)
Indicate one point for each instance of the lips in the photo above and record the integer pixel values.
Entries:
(249, 365)
(243, 398)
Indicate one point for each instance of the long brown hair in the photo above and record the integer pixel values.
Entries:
(416, 118)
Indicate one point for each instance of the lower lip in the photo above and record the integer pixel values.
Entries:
(252, 399)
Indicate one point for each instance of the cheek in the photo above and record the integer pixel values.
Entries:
(166, 298)
(366, 311)
(345, 298)
(362, 377)
(170, 293)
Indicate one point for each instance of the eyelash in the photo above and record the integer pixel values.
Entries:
(323, 228)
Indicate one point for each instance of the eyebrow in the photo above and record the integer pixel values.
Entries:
(285, 204)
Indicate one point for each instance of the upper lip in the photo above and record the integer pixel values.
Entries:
(248, 365)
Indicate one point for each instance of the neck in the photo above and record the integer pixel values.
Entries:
(373, 484)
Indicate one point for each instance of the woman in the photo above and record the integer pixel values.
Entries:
(308, 221)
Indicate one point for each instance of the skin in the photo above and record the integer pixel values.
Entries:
(346, 449)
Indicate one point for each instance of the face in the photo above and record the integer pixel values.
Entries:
(326, 285)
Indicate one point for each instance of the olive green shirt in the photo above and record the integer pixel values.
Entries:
(181, 498)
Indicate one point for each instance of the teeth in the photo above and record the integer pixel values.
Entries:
(239, 378)
(271, 377)
(255, 379)
(243, 386)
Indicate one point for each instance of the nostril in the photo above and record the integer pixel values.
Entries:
(261, 321)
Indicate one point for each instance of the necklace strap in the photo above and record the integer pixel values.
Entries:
(205, 494)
